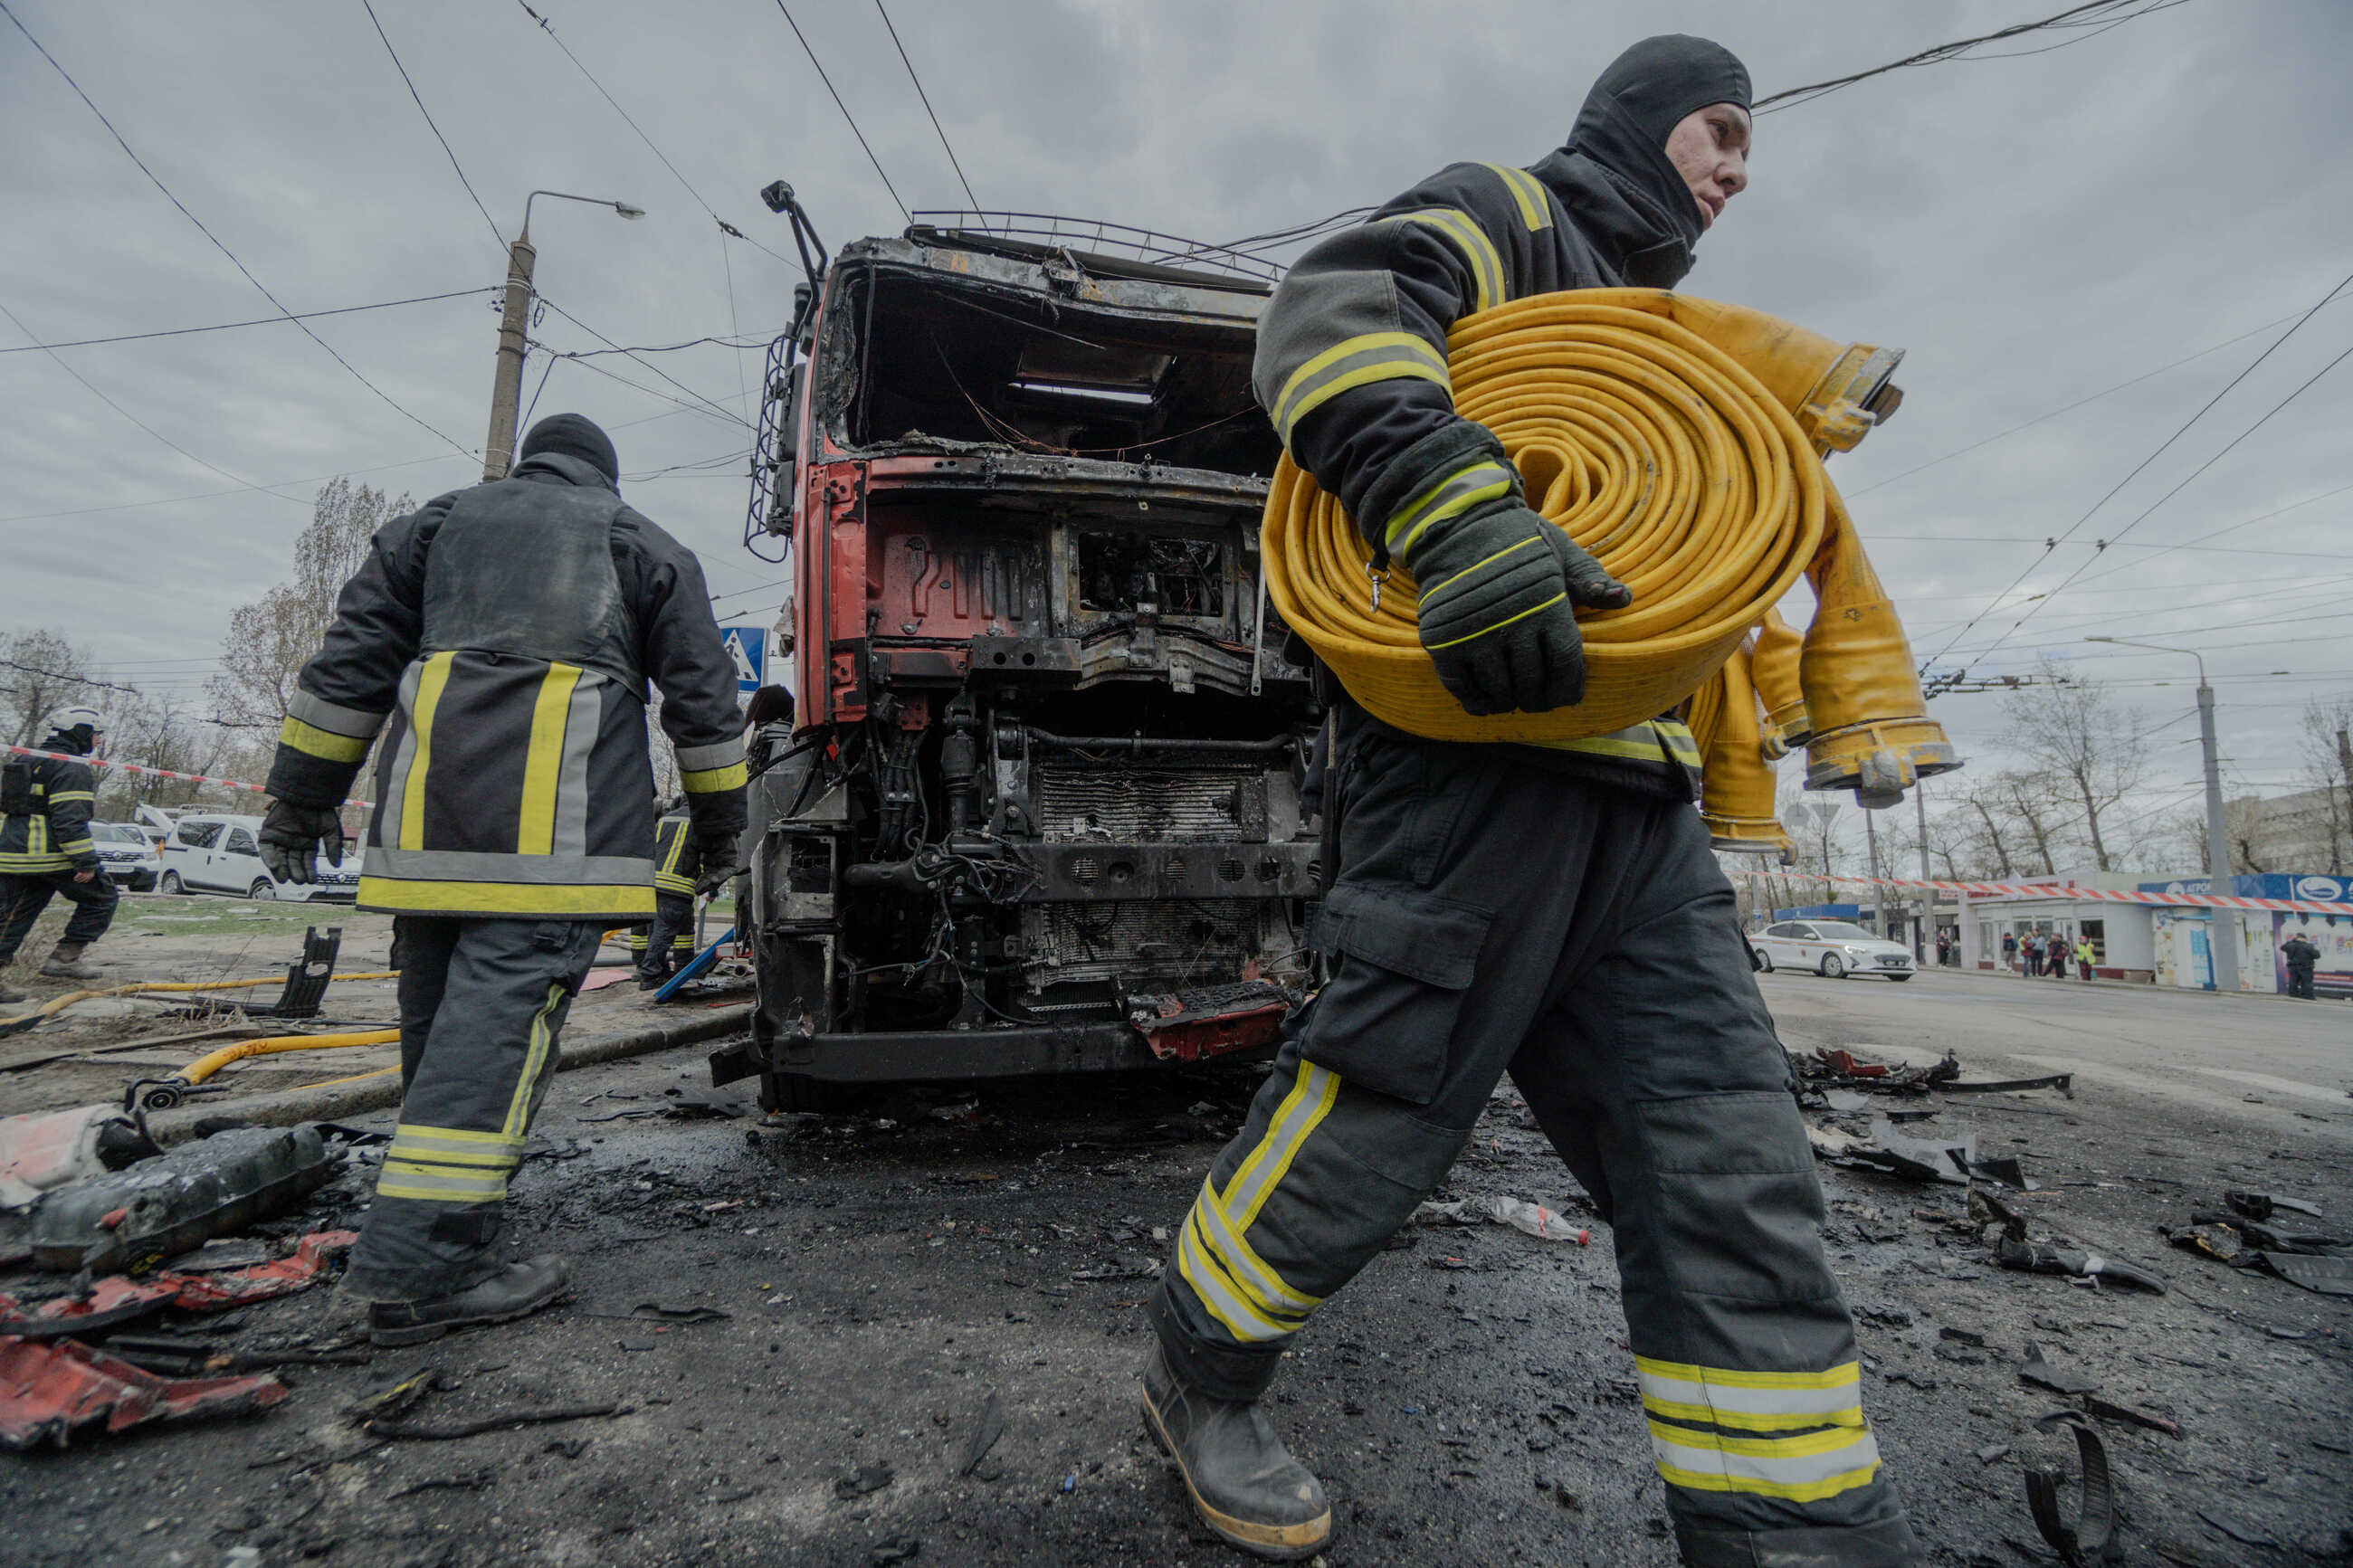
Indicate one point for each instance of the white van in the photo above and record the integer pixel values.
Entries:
(215, 854)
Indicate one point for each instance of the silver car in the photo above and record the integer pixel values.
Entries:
(1833, 948)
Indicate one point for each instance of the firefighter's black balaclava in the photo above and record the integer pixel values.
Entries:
(574, 435)
(1624, 125)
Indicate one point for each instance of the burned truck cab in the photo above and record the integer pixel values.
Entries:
(1041, 808)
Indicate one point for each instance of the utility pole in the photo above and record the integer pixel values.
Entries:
(1878, 893)
(2222, 926)
(506, 383)
(1928, 894)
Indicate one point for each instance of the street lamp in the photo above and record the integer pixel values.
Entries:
(2224, 933)
(506, 384)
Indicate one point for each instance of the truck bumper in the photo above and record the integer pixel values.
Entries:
(919, 1055)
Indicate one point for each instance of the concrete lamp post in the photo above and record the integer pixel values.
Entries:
(2222, 934)
(506, 384)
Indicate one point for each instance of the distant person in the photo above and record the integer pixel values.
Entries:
(2010, 950)
(678, 866)
(500, 637)
(2084, 959)
(46, 848)
(2302, 957)
(2055, 955)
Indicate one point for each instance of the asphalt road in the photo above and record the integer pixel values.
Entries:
(886, 1274)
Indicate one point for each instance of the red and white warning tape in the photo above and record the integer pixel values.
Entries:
(154, 772)
(2064, 890)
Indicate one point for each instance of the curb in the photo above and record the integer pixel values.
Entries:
(2144, 987)
(332, 1102)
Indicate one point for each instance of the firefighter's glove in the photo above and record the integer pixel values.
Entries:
(1500, 589)
(294, 838)
(717, 852)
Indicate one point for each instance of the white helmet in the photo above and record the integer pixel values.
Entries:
(65, 720)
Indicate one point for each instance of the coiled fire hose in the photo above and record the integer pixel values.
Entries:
(1680, 440)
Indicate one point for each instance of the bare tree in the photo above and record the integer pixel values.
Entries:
(2075, 732)
(272, 638)
(2032, 806)
(41, 671)
(1989, 829)
(2326, 746)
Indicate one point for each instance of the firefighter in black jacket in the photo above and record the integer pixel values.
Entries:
(678, 867)
(46, 848)
(1553, 911)
(501, 639)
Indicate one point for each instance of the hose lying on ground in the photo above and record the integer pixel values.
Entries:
(1680, 440)
(162, 1094)
(56, 1004)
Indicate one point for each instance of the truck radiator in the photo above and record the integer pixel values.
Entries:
(1132, 804)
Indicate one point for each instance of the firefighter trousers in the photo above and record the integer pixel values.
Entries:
(481, 1005)
(1490, 916)
(23, 895)
(668, 941)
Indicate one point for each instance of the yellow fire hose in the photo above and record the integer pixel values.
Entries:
(1680, 440)
(56, 1004)
(162, 1094)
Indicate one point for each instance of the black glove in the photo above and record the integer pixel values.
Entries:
(293, 835)
(1500, 589)
(717, 852)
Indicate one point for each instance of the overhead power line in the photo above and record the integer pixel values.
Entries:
(257, 322)
(2099, 16)
(214, 238)
(636, 359)
(853, 119)
(926, 96)
(2179, 431)
(239, 480)
(370, 9)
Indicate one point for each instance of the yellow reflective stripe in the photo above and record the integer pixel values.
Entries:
(1444, 583)
(1846, 1374)
(1535, 208)
(455, 1134)
(1217, 1292)
(431, 1154)
(1252, 1273)
(312, 740)
(61, 796)
(1319, 380)
(709, 781)
(75, 846)
(1749, 1420)
(1499, 626)
(617, 900)
(534, 1061)
(430, 679)
(433, 1184)
(1450, 497)
(1679, 739)
(1649, 750)
(1477, 250)
(543, 764)
(1803, 1467)
(1301, 1113)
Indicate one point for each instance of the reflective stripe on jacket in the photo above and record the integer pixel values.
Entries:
(676, 865)
(54, 835)
(1351, 361)
(505, 698)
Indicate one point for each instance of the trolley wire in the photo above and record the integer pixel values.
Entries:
(257, 322)
(369, 7)
(853, 119)
(926, 96)
(218, 245)
(2099, 16)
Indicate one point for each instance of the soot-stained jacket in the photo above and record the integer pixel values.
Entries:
(1351, 359)
(501, 638)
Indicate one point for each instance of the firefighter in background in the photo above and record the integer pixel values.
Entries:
(2303, 956)
(46, 848)
(1553, 911)
(501, 639)
(668, 941)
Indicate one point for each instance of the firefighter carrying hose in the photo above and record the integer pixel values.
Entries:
(46, 848)
(1553, 911)
(506, 632)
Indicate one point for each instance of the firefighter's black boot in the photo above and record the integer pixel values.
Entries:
(1244, 1484)
(65, 964)
(514, 1291)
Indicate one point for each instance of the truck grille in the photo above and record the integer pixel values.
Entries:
(1164, 806)
(1141, 940)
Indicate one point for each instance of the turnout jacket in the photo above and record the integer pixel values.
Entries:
(678, 863)
(45, 808)
(501, 639)
(1351, 361)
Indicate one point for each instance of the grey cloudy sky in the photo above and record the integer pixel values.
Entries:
(2033, 229)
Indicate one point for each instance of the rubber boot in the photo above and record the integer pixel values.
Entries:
(515, 1292)
(1244, 1484)
(65, 964)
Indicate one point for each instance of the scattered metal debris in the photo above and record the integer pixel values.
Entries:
(985, 1431)
(2082, 1540)
(134, 1218)
(1529, 1218)
(2035, 1258)
(51, 1389)
(2057, 1378)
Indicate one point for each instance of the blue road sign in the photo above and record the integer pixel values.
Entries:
(748, 646)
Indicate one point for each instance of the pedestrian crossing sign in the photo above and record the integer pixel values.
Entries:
(748, 647)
